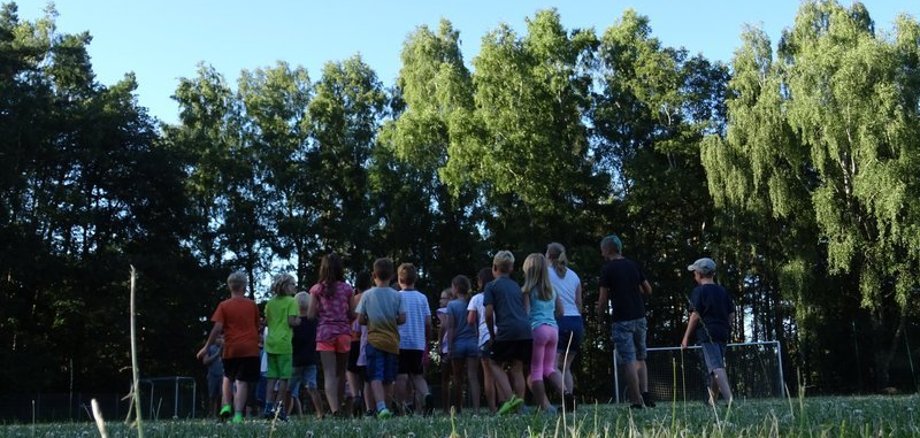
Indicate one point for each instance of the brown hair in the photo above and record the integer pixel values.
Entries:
(407, 273)
(484, 277)
(331, 272)
(383, 269)
(462, 284)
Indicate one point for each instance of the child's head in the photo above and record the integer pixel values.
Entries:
(503, 262)
(407, 276)
(484, 277)
(303, 302)
(331, 269)
(460, 286)
(446, 296)
(703, 269)
(555, 254)
(284, 285)
(383, 270)
(237, 282)
(363, 281)
(611, 245)
(536, 278)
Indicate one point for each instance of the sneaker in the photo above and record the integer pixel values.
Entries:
(636, 406)
(384, 414)
(238, 418)
(551, 411)
(369, 413)
(510, 406)
(647, 399)
(268, 414)
(225, 413)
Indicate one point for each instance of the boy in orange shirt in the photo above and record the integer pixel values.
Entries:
(238, 319)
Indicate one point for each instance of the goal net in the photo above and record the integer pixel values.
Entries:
(755, 370)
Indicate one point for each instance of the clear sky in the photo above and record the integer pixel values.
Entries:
(163, 40)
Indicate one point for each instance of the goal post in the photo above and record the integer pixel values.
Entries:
(755, 370)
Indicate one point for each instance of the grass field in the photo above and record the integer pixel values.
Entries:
(874, 416)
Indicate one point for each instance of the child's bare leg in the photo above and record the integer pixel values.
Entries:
(632, 383)
(721, 379)
(402, 392)
(421, 390)
(226, 391)
(642, 373)
(239, 399)
(489, 384)
(502, 386)
(517, 374)
(457, 391)
(472, 372)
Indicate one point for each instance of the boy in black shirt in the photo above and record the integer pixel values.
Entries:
(622, 284)
(712, 309)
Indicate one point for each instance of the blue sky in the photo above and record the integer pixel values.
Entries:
(162, 41)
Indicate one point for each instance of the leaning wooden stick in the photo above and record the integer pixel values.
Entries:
(134, 371)
(97, 416)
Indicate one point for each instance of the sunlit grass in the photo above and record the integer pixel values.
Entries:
(813, 417)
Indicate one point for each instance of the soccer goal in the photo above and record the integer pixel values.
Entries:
(755, 370)
(165, 397)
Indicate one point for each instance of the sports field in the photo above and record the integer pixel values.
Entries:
(888, 416)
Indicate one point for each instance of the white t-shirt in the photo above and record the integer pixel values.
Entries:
(565, 288)
(412, 333)
(476, 304)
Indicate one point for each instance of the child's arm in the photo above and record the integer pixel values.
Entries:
(312, 310)
(451, 333)
(362, 318)
(293, 321)
(646, 287)
(691, 326)
(428, 329)
(490, 321)
(215, 331)
(526, 303)
(578, 299)
(472, 318)
(602, 300)
(209, 358)
(559, 309)
(401, 318)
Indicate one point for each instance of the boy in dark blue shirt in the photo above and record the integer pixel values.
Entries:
(711, 312)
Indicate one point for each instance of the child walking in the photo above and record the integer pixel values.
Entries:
(476, 317)
(355, 372)
(413, 337)
(711, 312)
(509, 330)
(332, 304)
(545, 306)
(381, 310)
(464, 348)
(281, 314)
(305, 359)
(238, 319)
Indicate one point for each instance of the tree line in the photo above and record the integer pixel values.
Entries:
(794, 166)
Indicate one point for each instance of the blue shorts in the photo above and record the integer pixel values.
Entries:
(629, 340)
(574, 327)
(381, 365)
(465, 349)
(713, 355)
(305, 376)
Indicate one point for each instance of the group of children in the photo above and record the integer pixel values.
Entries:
(376, 338)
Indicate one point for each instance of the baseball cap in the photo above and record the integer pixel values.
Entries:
(704, 265)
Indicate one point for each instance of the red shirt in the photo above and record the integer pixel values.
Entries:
(240, 317)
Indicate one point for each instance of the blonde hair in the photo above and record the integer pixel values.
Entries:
(536, 277)
(555, 252)
(503, 261)
(279, 285)
(407, 274)
(303, 300)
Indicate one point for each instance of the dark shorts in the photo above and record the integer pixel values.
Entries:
(410, 362)
(381, 365)
(509, 351)
(353, 355)
(574, 327)
(244, 369)
(713, 355)
(629, 340)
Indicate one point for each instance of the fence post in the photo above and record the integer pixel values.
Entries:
(779, 359)
(616, 377)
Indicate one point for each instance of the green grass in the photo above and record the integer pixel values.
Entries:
(810, 417)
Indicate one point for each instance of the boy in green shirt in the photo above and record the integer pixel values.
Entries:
(281, 313)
